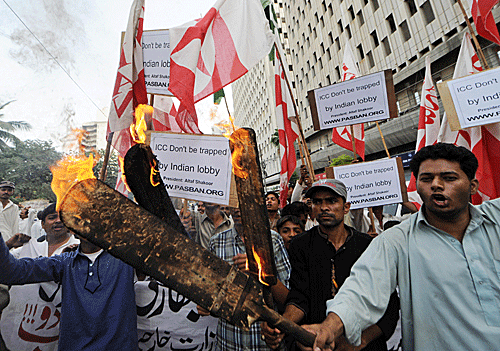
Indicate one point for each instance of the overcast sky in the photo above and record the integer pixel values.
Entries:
(84, 36)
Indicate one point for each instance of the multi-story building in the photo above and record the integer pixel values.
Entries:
(95, 139)
(388, 34)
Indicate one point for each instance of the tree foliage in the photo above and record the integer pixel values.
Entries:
(112, 168)
(27, 165)
(342, 160)
(275, 138)
(6, 129)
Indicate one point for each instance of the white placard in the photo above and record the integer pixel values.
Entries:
(358, 100)
(196, 167)
(477, 98)
(371, 183)
(156, 58)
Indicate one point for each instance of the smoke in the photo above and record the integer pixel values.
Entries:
(66, 126)
(58, 30)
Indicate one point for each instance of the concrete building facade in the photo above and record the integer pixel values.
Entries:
(384, 34)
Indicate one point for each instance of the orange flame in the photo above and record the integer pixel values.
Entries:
(121, 164)
(140, 125)
(73, 167)
(68, 171)
(153, 174)
(240, 139)
(259, 264)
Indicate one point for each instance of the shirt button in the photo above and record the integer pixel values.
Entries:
(91, 273)
(480, 282)
(91, 264)
(453, 240)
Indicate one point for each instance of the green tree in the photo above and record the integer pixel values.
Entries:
(275, 138)
(6, 129)
(112, 169)
(27, 164)
(341, 160)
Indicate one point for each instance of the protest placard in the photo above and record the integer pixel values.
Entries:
(194, 166)
(156, 58)
(373, 183)
(472, 100)
(364, 99)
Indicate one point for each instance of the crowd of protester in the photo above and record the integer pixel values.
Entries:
(423, 281)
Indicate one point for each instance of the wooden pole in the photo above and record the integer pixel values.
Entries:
(353, 140)
(302, 139)
(383, 140)
(103, 173)
(484, 63)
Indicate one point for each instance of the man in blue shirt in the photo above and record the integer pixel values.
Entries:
(98, 309)
(445, 260)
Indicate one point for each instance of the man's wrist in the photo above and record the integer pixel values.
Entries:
(334, 324)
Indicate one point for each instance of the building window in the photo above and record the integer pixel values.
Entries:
(348, 30)
(330, 38)
(405, 31)
(428, 13)
(361, 53)
(391, 23)
(351, 12)
(337, 41)
(341, 28)
(387, 46)
(412, 8)
(337, 71)
(375, 5)
(374, 38)
(328, 56)
(361, 18)
(370, 59)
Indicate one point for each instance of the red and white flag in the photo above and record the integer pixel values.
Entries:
(130, 86)
(428, 124)
(288, 130)
(342, 135)
(164, 115)
(484, 20)
(216, 50)
(483, 141)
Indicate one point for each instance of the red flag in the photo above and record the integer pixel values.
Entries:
(130, 86)
(483, 141)
(484, 20)
(428, 124)
(342, 135)
(212, 52)
(288, 129)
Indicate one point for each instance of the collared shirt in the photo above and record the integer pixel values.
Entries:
(226, 245)
(9, 220)
(450, 291)
(312, 256)
(205, 228)
(98, 309)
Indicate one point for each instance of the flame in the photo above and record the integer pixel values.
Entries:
(240, 139)
(154, 173)
(139, 125)
(121, 164)
(73, 168)
(68, 171)
(259, 264)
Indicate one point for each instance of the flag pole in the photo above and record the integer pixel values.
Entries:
(353, 141)
(103, 173)
(484, 63)
(302, 139)
(383, 139)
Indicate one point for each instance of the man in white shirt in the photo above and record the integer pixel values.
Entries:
(9, 214)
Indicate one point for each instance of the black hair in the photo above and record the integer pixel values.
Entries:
(276, 195)
(466, 159)
(296, 208)
(48, 210)
(289, 218)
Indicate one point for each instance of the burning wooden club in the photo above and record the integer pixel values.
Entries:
(127, 231)
(256, 229)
